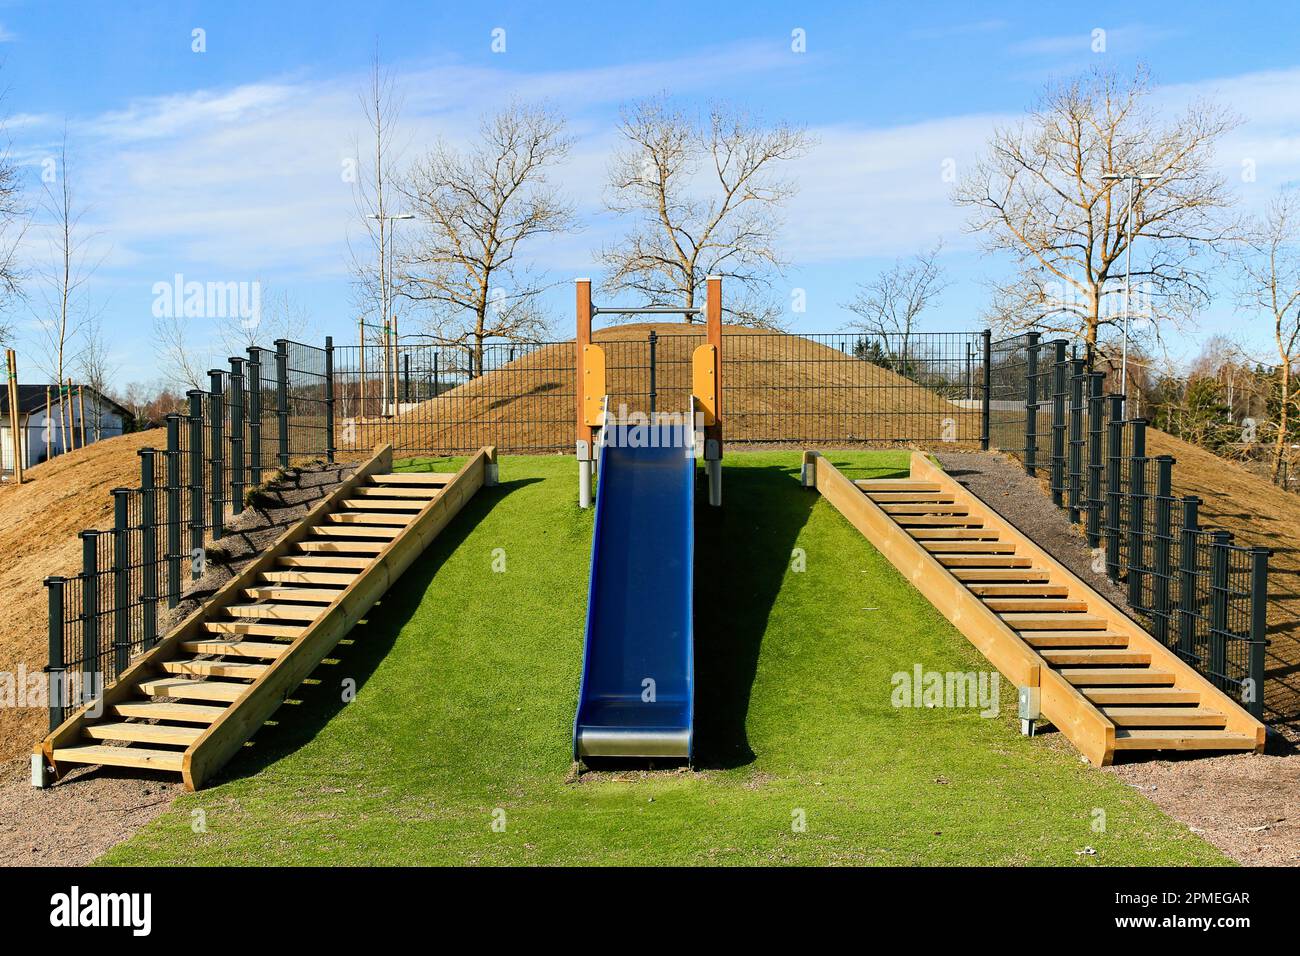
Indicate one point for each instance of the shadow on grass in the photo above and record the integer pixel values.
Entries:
(742, 551)
(317, 700)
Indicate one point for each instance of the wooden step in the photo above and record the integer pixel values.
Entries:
(925, 508)
(1035, 604)
(1137, 696)
(156, 710)
(1164, 717)
(904, 497)
(1054, 622)
(379, 504)
(1000, 574)
(308, 577)
(1093, 676)
(953, 534)
(1019, 590)
(335, 547)
(214, 669)
(304, 595)
(414, 478)
(1181, 740)
(969, 547)
(895, 484)
(334, 562)
(259, 650)
(144, 733)
(1074, 639)
(350, 531)
(191, 689)
(138, 757)
(982, 561)
(274, 612)
(370, 518)
(252, 629)
(1095, 657)
(938, 521)
(411, 494)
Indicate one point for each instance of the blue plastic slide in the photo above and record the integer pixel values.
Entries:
(637, 697)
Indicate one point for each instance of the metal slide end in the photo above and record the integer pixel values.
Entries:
(41, 776)
(584, 484)
(714, 468)
(634, 743)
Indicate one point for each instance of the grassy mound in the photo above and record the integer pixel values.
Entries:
(467, 679)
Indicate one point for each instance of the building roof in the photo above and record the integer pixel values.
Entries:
(32, 398)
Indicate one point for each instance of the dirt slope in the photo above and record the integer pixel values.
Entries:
(1257, 513)
(39, 521)
(529, 403)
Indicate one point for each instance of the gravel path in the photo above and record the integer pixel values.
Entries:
(1245, 804)
(93, 809)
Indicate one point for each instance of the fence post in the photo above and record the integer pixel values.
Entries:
(148, 548)
(173, 510)
(121, 580)
(237, 476)
(436, 386)
(89, 613)
(1136, 524)
(329, 394)
(654, 392)
(1219, 542)
(216, 421)
(282, 398)
(1075, 465)
(987, 388)
(1031, 405)
(1114, 449)
(196, 482)
(1161, 570)
(1096, 416)
(1058, 422)
(1258, 626)
(1187, 604)
(253, 389)
(55, 666)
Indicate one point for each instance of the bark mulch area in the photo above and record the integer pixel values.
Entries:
(1244, 804)
(93, 809)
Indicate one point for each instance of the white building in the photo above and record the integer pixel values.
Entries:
(45, 433)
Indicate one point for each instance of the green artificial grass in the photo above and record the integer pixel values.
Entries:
(456, 749)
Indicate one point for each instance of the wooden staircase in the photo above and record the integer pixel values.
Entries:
(1104, 681)
(190, 703)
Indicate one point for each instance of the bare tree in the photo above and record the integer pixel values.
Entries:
(476, 210)
(181, 360)
(96, 368)
(374, 194)
(60, 308)
(705, 199)
(890, 304)
(279, 316)
(1039, 194)
(1268, 266)
(14, 220)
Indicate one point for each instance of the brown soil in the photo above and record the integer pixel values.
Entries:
(1245, 804)
(39, 521)
(773, 386)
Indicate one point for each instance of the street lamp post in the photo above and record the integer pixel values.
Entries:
(1130, 178)
(389, 323)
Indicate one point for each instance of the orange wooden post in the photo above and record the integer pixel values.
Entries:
(713, 433)
(585, 445)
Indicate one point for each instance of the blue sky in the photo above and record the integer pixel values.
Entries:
(224, 165)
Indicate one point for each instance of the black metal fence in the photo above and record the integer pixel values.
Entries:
(265, 411)
(840, 388)
(1200, 594)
